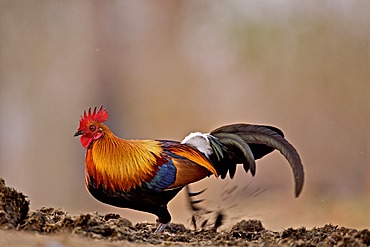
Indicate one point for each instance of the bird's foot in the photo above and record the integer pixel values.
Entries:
(161, 227)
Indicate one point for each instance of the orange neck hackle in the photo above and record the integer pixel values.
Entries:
(121, 164)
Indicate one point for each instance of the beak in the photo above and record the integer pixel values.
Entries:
(78, 133)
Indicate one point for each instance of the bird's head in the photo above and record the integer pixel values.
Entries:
(91, 125)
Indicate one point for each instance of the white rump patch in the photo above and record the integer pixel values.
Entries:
(199, 141)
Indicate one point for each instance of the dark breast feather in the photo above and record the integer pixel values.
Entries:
(139, 198)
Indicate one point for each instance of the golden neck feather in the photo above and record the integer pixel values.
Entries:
(121, 164)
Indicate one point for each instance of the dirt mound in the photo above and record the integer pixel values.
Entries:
(13, 207)
(15, 214)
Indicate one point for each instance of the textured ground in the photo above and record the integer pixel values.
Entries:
(51, 227)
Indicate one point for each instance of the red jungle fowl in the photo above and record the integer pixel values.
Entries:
(146, 174)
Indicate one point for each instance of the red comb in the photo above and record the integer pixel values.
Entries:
(96, 115)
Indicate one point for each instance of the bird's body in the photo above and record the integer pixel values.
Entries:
(146, 174)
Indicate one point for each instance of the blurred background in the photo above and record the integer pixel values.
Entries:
(164, 69)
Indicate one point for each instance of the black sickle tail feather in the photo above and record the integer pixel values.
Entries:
(244, 143)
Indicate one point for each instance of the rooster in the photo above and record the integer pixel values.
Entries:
(145, 175)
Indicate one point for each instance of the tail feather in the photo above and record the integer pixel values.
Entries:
(259, 150)
(252, 142)
(224, 162)
(234, 140)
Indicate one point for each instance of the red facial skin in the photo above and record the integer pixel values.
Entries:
(90, 133)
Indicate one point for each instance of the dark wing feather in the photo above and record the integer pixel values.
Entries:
(164, 177)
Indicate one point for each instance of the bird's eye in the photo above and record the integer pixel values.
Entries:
(92, 127)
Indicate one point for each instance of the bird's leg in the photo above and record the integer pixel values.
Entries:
(164, 218)
(161, 227)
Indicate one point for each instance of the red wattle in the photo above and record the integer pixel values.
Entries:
(85, 141)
